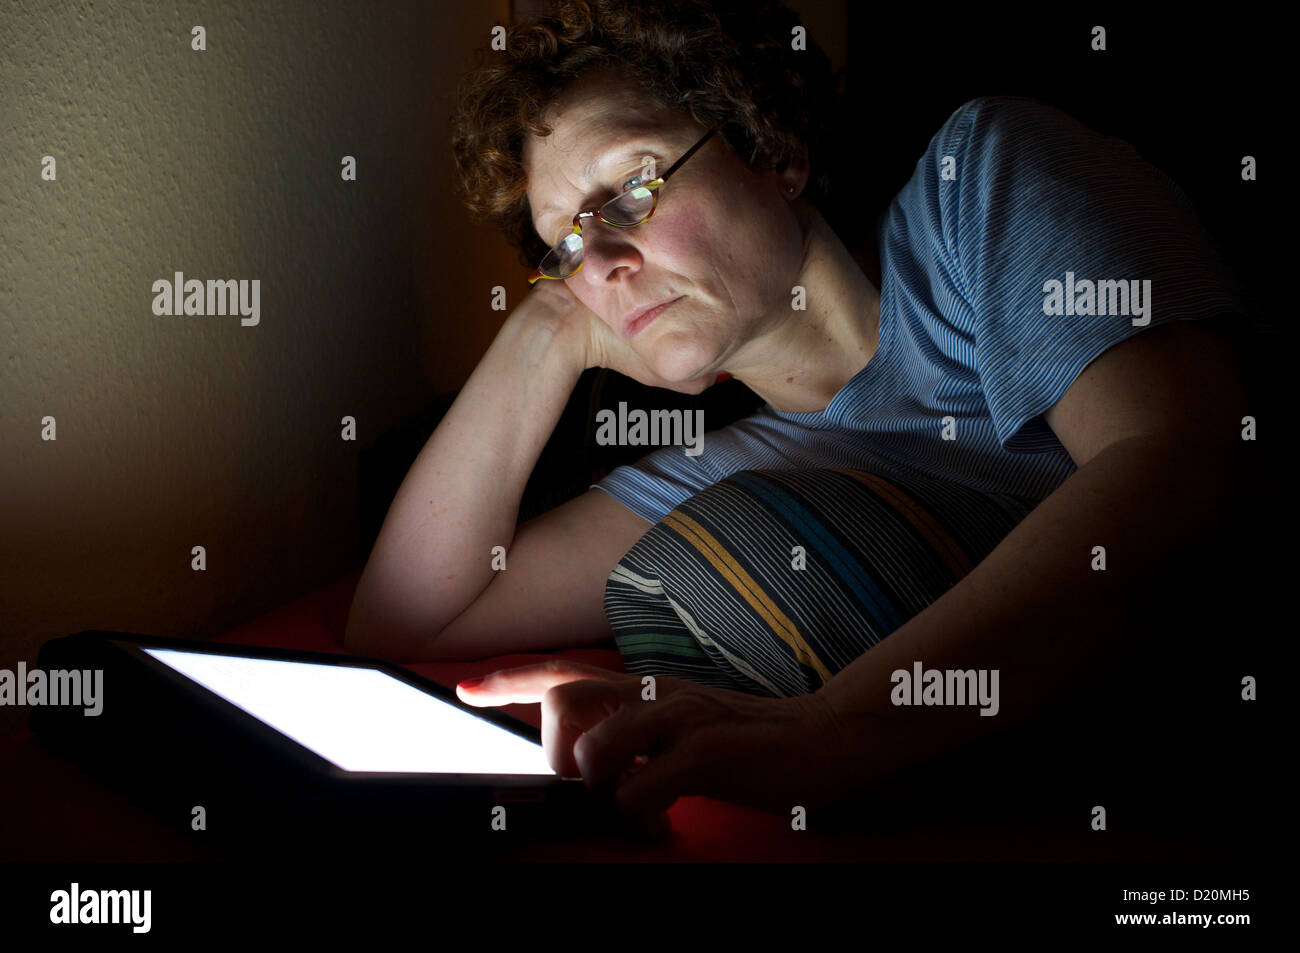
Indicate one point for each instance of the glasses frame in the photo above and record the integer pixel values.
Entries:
(654, 185)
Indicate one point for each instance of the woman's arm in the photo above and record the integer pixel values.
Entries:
(433, 556)
(1154, 424)
(1035, 609)
(429, 590)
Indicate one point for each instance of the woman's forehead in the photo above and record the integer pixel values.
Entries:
(578, 155)
(584, 133)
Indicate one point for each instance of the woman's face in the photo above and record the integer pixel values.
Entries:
(723, 238)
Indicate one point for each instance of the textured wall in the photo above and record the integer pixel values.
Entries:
(195, 430)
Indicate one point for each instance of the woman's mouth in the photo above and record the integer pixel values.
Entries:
(636, 326)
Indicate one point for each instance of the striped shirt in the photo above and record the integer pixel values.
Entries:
(1011, 196)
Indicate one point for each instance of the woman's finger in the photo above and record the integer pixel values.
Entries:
(527, 684)
(572, 709)
(620, 744)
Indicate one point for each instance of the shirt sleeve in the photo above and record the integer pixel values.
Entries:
(1064, 242)
(657, 483)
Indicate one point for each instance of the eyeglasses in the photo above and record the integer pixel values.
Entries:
(627, 210)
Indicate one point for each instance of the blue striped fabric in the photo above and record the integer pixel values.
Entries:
(771, 581)
(962, 330)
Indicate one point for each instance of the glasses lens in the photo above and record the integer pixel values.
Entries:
(563, 260)
(630, 208)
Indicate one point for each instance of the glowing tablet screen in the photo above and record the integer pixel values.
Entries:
(360, 719)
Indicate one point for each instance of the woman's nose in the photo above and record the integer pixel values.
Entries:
(607, 249)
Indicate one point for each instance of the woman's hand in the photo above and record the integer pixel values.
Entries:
(598, 344)
(647, 748)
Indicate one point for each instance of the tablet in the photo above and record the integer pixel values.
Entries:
(286, 739)
(360, 718)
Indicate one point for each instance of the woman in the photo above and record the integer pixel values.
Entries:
(930, 448)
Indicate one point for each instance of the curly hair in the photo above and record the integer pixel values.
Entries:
(727, 63)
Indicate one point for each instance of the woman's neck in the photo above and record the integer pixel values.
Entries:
(807, 356)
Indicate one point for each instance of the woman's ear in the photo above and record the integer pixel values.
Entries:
(795, 175)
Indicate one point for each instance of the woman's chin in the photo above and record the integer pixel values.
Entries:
(686, 371)
(682, 383)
